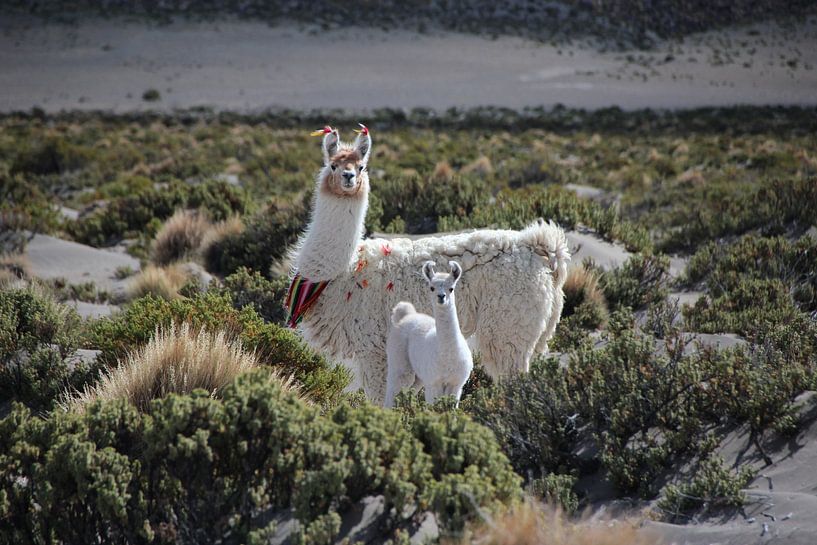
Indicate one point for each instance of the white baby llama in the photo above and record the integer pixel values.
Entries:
(345, 287)
(431, 351)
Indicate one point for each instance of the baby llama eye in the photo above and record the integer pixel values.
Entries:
(432, 289)
(333, 167)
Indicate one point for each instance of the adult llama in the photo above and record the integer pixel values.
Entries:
(344, 287)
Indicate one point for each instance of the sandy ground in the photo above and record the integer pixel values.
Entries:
(250, 66)
(51, 257)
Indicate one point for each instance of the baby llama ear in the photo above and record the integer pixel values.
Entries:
(428, 270)
(331, 143)
(363, 143)
(456, 270)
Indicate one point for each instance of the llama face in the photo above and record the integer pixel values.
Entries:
(344, 172)
(441, 285)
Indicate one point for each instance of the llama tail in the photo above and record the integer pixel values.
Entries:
(400, 311)
(549, 241)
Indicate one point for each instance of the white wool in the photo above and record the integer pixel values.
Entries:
(510, 297)
(429, 351)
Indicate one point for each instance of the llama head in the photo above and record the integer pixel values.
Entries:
(442, 284)
(344, 169)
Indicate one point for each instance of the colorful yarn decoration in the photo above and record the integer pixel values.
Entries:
(302, 294)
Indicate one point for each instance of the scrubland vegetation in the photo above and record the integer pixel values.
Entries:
(139, 458)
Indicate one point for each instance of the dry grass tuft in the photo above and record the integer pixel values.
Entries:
(179, 237)
(582, 288)
(176, 360)
(481, 166)
(442, 172)
(164, 282)
(14, 270)
(531, 523)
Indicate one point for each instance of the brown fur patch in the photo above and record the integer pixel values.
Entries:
(346, 156)
(331, 185)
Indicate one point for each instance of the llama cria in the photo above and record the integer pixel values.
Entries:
(510, 301)
(425, 349)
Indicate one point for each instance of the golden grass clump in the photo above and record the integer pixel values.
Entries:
(582, 288)
(176, 360)
(163, 282)
(481, 166)
(531, 523)
(179, 237)
(442, 172)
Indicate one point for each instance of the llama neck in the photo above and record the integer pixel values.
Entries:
(448, 325)
(329, 245)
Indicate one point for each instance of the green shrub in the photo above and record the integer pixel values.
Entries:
(37, 339)
(714, 486)
(202, 470)
(250, 288)
(772, 208)
(318, 379)
(531, 417)
(144, 212)
(417, 203)
(557, 490)
(754, 286)
(641, 281)
(265, 240)
(515, 209)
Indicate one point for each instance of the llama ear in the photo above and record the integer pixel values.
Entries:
(331, 143)
(428, 270)
(456, 270)
(363, 143)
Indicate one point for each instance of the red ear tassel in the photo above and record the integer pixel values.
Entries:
(320, 132)
(363, 129)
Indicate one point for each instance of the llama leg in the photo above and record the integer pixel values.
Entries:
(433, 391)
(503, 354)
(400, 374)
(357, 380)
(553, 321)
(373, 369)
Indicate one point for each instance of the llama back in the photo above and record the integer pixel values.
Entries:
(400, 311)
(549, 241)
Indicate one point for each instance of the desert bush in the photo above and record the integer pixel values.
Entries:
(38, 338)
(535, 445)
(162, 282)
(179, 237)
(143, 213)
(198, 469)
(714, 487)
(267, 297)
(774, 207)
(319, 380)
(516, 208)
(759, 287)
(23, 207)
(641, 281)
(176, 360)
(264, 241)
(557, 490)
(419, 203)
